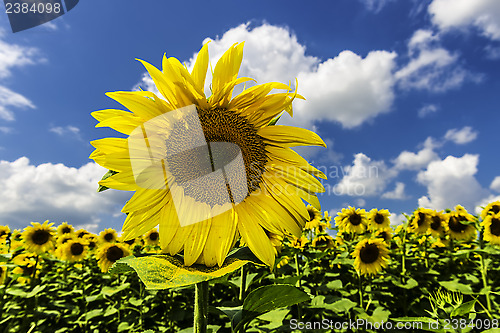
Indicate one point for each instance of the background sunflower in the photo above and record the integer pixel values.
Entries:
(39, 238)
(370, 256)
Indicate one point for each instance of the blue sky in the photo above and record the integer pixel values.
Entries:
(405, 93)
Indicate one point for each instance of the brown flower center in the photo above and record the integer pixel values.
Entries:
(66, 230)
(76, 249)
(355, 219)
(495, 227)
(154, 236)
(369, 253)
(114, 253)
(228, 136)
(109, 237)
(455, 225)
(421, 219)
(379, 218)
(40, 237)
(436, 223)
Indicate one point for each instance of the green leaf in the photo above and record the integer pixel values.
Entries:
(107, 175)
(336, 284)
(110, 291)
(110, 311)
(275, 318)
(456, 286)
(124, 326)
(410, 283)
(165, 271)
(93, 313)
(342, 305)
(464, 309)
(268, 298)
(275, 120)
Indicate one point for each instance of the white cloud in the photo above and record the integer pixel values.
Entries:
(460, 14)
(12, 55)
(348, 88)
(427, 110)
(430, 66)
(397, 194)
(495, 184)
(461, 136)
(397, 219)
(364, 178)
(54, 192)
(360, 202)
(5, 130)
(416, 161)
(9, 98)
(375, 5)
(451, 182)
(492, 52)
(66, 131)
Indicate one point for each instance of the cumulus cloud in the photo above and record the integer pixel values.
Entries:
(431, 67)
(397, 194)
(364, 177)
(460, 14)
(495, 184)
(5, 130)
(427, 109)
(66, 131)
(8, 99)
(11, 56)
(348, 88)
(461, 136)
(397, 219)
(451, 182)
(55, 192)
(415, 161)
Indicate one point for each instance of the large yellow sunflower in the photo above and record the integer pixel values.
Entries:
(436, 226)
(108, 236)
(152, 237)
(39, 237)
(4, 232)
(370, 256)
(491, 226)
(351, 220)
(456, 228)
(74, 250)
(208, 170)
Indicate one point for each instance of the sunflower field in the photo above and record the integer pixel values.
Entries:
(438, 272)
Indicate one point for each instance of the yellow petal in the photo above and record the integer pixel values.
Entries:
(290, 136)
(227, 67)
(200, 67)
(110, 145)
(144, 104)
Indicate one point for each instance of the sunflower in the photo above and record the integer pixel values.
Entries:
(152, 237)
(385, 234)
(26, 265)
(323, 242)
(208, 170)
(91, 240)
(108, 236)
(491, 209)
(351, 220)
(277, 241)
(378, 219)
(64, 229)
(456, 228)
(314, 218)
(420, 220)
(491, 225)
(4, 232)
(74, 250)
(436, 225)
(370, 256)
(299, 243)
(109, 253)
(81, 233)
(39, 238)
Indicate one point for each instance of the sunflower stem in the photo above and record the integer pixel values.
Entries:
(201, 307)
(299, 283)
(484, 272)
(243, 285)
(360, 290)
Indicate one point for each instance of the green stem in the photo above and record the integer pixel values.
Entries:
(201, 307)
(484, 273)
(141, 297)
(243, 285)
(299, 283)
(426, 259)
(360, 290)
